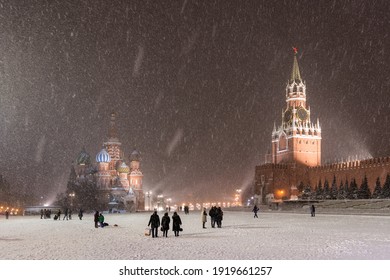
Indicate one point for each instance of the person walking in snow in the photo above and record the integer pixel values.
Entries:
(59, 214)
(212, 214)
(65, 214)
(219, 217)
(154, 223)
(165, 224)
(96, 219)
(255, 210)
(313, 210)
(81, 214)
(204, 217)
(176, 223)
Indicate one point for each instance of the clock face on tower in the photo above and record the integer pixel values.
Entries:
(302, 114)
(287, 116)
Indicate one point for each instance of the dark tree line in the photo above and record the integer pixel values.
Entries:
(346, 190)
(80, 193)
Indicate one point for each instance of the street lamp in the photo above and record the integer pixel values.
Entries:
(148, 194)
(238, 197)
(160, 201)
(71, 195)
(169, 203)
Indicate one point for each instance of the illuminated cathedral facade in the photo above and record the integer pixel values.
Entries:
(295, 158)
(119, 185)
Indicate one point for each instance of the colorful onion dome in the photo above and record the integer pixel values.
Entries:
(83, 158)
(103, 156)
(123, 168)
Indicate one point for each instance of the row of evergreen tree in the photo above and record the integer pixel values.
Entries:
(346, 190)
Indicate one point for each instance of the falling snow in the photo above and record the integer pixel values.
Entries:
(197, 85)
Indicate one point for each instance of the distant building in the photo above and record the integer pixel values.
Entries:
(119, 185)
(296, 152)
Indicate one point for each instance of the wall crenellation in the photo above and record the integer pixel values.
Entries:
(356, 164)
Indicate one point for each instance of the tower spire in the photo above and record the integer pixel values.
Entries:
(112, 132)
(295, 74)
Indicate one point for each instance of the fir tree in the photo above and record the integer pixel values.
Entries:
(319, 191)
(326, 194)
(301, 187)
(386, 188)
(352, 190)
(364, 191)
(346, 189)
(334, 191)
(307, 193)
(342, 194)
(313, 193)
(378, 190)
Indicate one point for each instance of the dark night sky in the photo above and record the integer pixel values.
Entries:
(197, 85)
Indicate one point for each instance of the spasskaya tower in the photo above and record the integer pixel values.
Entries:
(297, 139)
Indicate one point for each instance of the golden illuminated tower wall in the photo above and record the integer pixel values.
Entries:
(297, 139)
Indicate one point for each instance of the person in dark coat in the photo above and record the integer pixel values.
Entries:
(154, 223)
(59, 214)
(165, 221)
(176, 223)
(313, 210)
(219, 217)
(96, 219)
(212, 214)
(255, 210)
(6, 214)
(81, 214)
(65, 214)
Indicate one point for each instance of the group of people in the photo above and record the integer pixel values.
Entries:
(312, 211)
(154, 223)
(98, 218)
(67, 214)
(216, 216)
(46, 214)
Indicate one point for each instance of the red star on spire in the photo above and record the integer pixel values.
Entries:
(295, 50)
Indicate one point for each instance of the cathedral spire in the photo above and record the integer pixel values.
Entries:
(295, 74)
(112, 132)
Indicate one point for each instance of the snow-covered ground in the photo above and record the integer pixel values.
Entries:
(274, 236)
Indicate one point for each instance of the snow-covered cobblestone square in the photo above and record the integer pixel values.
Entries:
(274, 236)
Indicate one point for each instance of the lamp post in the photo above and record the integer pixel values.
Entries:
(169, 204)
(71, 195)
(160, 201)
(148, 194)
(238, 197)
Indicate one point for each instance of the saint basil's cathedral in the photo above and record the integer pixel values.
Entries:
(295, 157)
(119, 185)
